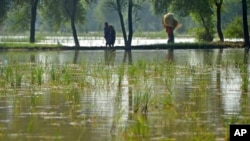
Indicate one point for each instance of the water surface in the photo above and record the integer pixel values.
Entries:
(116, 95)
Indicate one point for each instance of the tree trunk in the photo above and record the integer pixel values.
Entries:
(34, 4)
(207, 37)
(218, 13)
(122, 22)
(72, 14)
(72, 18)
(130, 24)
(127, 40)
(245, 24)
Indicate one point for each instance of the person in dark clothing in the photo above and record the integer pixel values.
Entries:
(106, 33)
(112, 36)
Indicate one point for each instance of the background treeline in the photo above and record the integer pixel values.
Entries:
(90, 16)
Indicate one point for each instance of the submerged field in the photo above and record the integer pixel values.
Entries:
(116, 95)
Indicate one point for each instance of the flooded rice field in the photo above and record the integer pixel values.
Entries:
(92, 41)
(170, 95)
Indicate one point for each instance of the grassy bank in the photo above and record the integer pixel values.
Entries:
(198, 45)
(25, 45)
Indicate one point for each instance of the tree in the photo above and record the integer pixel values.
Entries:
(34, 4)
(218, 4)
(131, 8)
(59, 12)
(245, 24)
(70, 8)
(54, 10)
(4, 6)
(161, 6)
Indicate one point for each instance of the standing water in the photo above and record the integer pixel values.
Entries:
(116, 95)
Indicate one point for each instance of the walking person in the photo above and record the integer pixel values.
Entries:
(106, 32)
(112, 36)
(169, 23)
(170, 32)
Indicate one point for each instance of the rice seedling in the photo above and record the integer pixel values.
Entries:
(66, 75)
(9, 75)
(139, 130)
(107, 76)
(53, 74)
(141, 100)
(31, 124)
(39, 75)
(73, 96)
(33, 76)
(18, 78)
(34, 99)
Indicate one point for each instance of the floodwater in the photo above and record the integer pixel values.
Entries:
(187, 94)
(92, 41)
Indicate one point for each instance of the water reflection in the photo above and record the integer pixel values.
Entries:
(200, 87)
(170, 55)
(218, 72)
(109, 56)
(244, 73)
(127, 57)
(76, 56)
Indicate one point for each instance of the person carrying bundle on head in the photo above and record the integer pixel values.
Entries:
(169, 23)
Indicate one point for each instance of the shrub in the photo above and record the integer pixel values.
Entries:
(234, 29)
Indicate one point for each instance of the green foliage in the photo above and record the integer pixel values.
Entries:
(234, 29)
(201, 35)
(4, 6)
(52, 16)
(54, 13)
(18, 18)
(205, 32)
(161, 6)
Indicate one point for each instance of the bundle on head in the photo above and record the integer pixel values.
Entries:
(169, 20)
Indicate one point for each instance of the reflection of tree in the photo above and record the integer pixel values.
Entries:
(244, 74)
(244, 104)
(208, 57)
(76, 56)
(218, 88)
(127, 54)
(218, 74)
(117, 111)
(130, 102)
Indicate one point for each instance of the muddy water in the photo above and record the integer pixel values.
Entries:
(188, 94)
